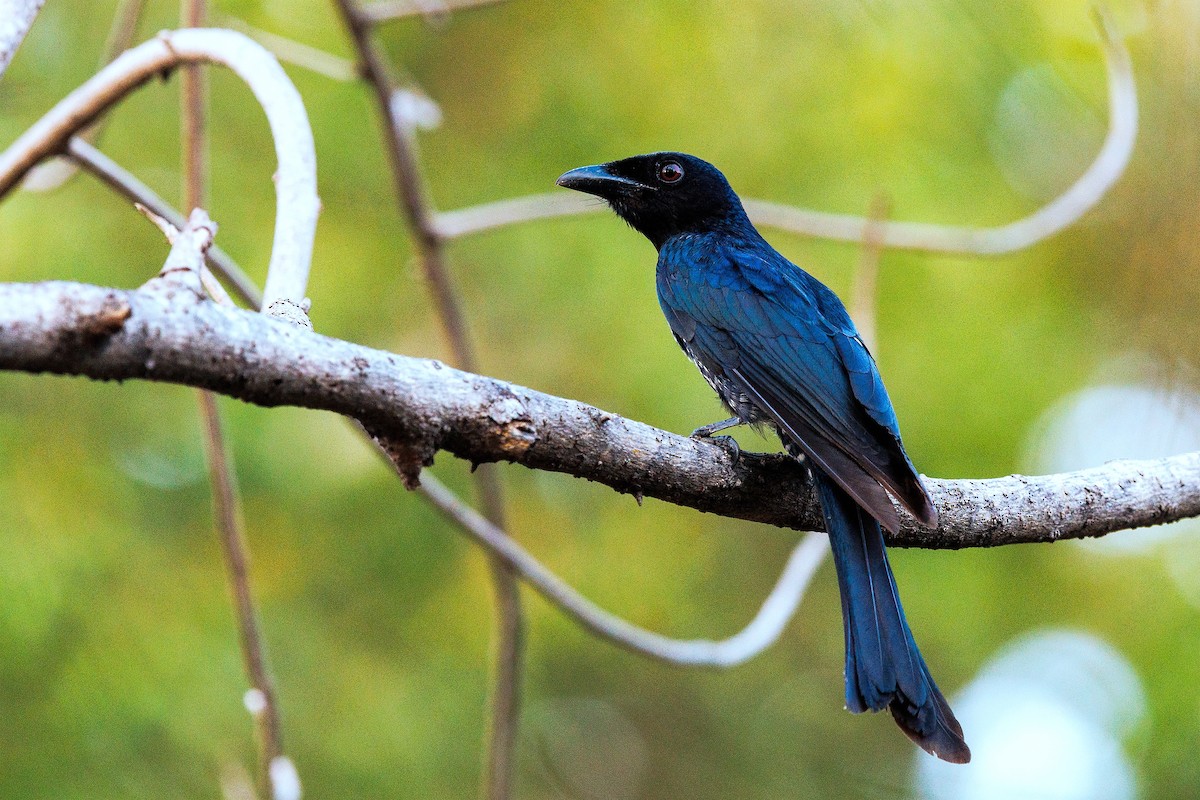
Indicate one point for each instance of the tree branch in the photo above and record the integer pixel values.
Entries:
(1055, 216)
(417, 205)
(54, 173)
(760, 633)
(125, 183)
(14, 27)
(179, 337)
(295, 180)
(437, 10)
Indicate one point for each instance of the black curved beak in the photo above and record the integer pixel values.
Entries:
(597, 180)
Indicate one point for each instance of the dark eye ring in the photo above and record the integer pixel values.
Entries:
(670, 172)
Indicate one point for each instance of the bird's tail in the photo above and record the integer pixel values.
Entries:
(883, 665)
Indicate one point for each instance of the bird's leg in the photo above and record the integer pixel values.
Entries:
(707, 431)
(727, 443)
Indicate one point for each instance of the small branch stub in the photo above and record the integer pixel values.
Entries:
(105, 321)
(186, 259)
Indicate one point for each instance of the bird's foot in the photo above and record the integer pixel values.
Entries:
(730, 446)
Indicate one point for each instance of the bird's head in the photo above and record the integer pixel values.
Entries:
(662, 194)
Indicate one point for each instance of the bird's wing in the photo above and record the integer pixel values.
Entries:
(787, 343)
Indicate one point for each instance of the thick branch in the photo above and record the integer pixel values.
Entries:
(179, 337)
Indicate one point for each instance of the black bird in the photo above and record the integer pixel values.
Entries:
(779, 348)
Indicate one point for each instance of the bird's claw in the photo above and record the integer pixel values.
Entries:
(730, 445)
(726, 443)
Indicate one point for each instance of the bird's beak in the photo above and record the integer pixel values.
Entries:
(597, 180)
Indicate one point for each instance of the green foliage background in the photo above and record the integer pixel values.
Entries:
(119, 670)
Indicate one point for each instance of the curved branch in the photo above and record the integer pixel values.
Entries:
(179, 337)
(1048, 220)
(759, 634)
(295, 180)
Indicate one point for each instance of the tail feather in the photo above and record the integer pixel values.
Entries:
(884, 668)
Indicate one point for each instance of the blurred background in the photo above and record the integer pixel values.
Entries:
(1074, 668)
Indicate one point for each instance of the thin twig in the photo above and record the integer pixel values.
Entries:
(52, 174)
(126, 184)
(261, 699)
(123, 30)
(295, 179)
(864, 299)
(488, 216)
(193, 141)
(289, 51)
(410, 186)
(227, 516)
(433, 10)
(761, 632)
(509, 633)
(1055, 216)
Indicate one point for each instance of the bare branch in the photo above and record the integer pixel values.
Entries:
(433, 10)
(124, 28)
(50, 175)
(126, 184)
(16, 18)
(295, 180)
(71, 328)
(230, 528)
(410, 186)
(184, 262)
(487, 216)
(413, 194)
(193, 93)
(760, 633)
(1048, 220)
(863, 301)
(298, 54)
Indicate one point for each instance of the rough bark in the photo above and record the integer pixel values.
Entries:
(166, 332)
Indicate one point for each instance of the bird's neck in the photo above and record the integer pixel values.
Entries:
(730, 226)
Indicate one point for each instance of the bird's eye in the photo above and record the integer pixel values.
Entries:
(670, 172)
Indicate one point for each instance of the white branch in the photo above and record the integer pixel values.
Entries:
(112, 334)
(295, 181)
(1048, 220)
(16, 18)
(290, 51)
(762, 631)
(436, 10)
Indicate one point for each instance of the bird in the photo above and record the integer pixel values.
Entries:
(780, 350)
